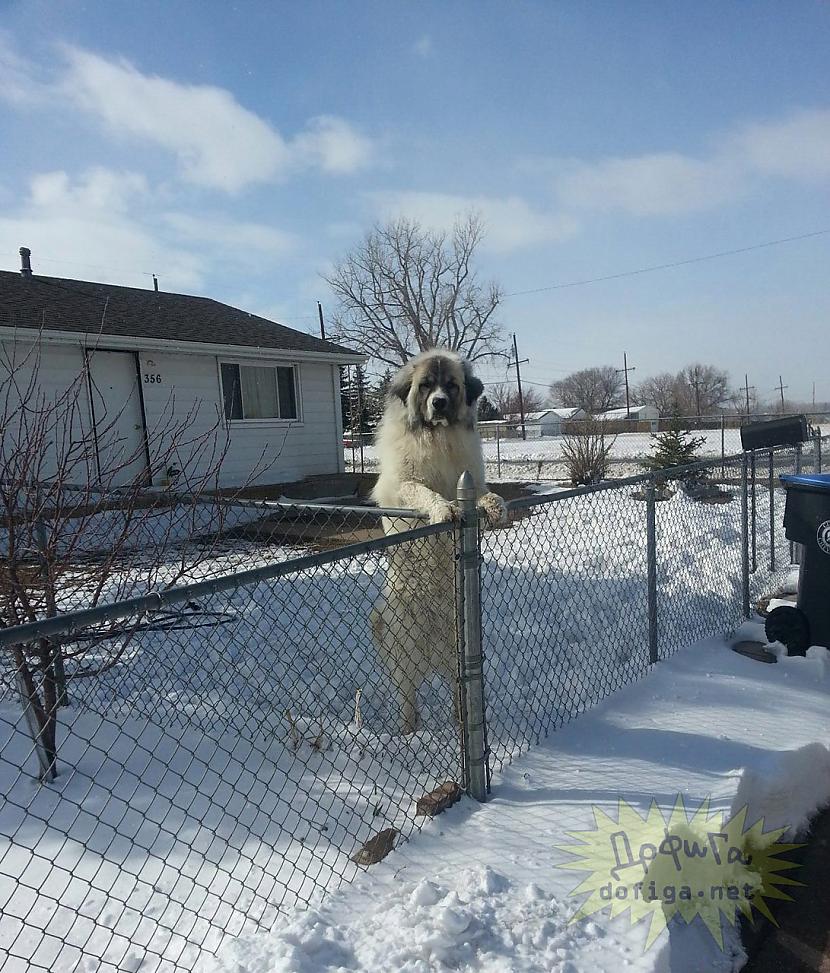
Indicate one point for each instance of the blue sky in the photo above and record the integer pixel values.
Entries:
(237, 150)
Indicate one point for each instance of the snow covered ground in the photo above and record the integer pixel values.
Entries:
(218, 771)
(517, 455)
(482, 888)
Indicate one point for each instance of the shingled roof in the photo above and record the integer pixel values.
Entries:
(83, 307)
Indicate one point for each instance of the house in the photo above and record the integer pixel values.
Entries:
(635, 419)
(546, 422)
(263, 398)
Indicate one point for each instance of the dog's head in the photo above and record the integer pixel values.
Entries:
(438, 388)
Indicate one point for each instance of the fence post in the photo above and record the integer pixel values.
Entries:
(722, 446)
(651, 560)
(817, 453)
(771, 510)
(753, 514)
(498, 451)
(745, 533)
(470, 664)
(795, 549)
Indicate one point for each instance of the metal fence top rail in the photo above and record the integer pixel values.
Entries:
(155, 600)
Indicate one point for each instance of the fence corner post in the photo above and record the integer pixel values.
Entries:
(651, 569)
(471, 667)
(817, 453)
(745, 531)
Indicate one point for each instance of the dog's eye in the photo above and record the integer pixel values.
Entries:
(452, 386)
(426, 385)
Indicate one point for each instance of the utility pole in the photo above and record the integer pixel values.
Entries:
(814, 396)
(322, 324)
(781, 386)
(747, 388)
(624, 371)
(516, 364)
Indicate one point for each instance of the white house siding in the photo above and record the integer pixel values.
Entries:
(56, 369)
(187, 389)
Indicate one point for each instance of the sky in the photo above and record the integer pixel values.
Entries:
(239, 150)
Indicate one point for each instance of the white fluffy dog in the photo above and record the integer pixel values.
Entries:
(425, 441)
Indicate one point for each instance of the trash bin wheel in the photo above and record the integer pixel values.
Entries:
(790, 627)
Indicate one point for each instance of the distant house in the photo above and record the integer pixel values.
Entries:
(268, 394)
(546, 422)
(636, 414)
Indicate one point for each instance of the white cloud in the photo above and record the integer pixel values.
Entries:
(333, 145)
(510, 222)
(231, 237)
(98, 189)
(646, 185)
(217, 142)
(108, 226)
(796, 147)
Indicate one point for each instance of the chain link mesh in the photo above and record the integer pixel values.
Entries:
(229, 748)
(221, 759)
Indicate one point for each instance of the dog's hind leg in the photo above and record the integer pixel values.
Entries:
(399, 665)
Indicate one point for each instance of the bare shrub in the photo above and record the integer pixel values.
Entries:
(587, 452)
(74, 534)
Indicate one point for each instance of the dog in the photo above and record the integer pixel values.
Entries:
(426, 439)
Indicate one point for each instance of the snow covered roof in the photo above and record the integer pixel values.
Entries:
(561, 413)
(637, 412)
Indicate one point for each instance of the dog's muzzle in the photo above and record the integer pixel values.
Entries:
(438, 408)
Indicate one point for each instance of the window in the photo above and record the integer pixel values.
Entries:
(259, 391)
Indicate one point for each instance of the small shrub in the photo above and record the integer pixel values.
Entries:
(587, 453)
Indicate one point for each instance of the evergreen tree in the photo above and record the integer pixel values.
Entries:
(355, 389)
(675, 446)
(486, 410)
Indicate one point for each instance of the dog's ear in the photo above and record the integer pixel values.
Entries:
(473, 386)
(401, 383)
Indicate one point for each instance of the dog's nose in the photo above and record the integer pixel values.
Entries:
(439, 403)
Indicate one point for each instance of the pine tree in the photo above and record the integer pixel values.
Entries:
(487, 411)
(676, 446)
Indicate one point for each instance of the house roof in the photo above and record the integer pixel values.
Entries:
(565, 413)
(83, 307)
(636, 410)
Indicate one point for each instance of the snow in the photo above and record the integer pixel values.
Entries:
(190, 810)
(479, 889)
(629, 447)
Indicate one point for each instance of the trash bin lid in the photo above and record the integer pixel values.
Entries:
(807, 481)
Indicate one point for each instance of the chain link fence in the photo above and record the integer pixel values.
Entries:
(217, 751)
(539, 457)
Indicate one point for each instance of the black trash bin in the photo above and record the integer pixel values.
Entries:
(806, 521)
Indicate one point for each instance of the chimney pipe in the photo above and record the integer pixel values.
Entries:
(25, 262)
(155, 283)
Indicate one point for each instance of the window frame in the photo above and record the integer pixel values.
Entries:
(273, 420)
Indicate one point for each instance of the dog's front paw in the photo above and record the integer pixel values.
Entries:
(443, 512)
(493, 508)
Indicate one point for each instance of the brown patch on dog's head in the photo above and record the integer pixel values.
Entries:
(438, 388)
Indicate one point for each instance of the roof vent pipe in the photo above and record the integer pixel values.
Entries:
(155, 283)
(25, 261)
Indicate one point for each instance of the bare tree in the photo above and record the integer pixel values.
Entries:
(405, 289)
(505, 397)
(74, 533)
(707, 388)
(663, 391)
(595, 390)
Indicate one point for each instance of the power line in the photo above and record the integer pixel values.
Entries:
(676, 263)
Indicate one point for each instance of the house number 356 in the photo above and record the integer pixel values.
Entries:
(151, 378)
